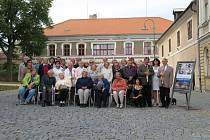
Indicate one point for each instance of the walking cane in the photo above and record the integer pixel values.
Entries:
(53, 95)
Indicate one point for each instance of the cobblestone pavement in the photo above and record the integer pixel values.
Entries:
(33, 122)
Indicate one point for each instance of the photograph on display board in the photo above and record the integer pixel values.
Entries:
(184, 76)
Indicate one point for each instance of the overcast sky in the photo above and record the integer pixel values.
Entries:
(79, 9)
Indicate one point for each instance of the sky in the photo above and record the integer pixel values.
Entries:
(81, 9)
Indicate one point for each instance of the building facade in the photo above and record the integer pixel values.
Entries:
(94, 38)
(204, 43)
(179, 42)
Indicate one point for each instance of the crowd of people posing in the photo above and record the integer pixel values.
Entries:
(143, 84)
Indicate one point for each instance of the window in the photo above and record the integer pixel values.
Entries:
(81, 49)
(189, 29)
(147, 48)
(178, 38)
(51, 50)
(103, 49)
(206, 58)
(169, 45)
(206, 13)
(128, 48)
(66, 50)
(162, 50)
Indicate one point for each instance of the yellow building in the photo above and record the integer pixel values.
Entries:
(204, 44)
(179, 42)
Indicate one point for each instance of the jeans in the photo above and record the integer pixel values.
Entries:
(22, 91)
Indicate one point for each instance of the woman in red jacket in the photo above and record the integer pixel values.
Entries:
(119, 88)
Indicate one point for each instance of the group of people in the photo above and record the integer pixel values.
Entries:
(143, 84)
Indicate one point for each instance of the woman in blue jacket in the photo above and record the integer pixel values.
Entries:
(102, 87)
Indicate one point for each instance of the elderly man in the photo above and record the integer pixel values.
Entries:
(165, 73)
(28, 88)
(78, 71)
(48, 81)
(102, 87)
(83, 87)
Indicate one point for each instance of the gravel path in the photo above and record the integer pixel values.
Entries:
(32, 122)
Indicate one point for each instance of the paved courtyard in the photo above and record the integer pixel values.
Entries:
(33, 122)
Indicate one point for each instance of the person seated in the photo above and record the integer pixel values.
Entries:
(62, 86)
(28, 88)
(102, 87)
(83, 87)
(48, 82)
(136, 93)
(119, 88)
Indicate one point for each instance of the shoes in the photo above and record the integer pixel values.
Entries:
(43, 104)
(118, 105)
(121, 105)
(62, 103)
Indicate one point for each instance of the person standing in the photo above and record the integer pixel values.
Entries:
(107, 72)
(130, 74)
(22, 67)
(44, 68)
(165, 73)
(156, 82)
(145, 73)
(57, 70)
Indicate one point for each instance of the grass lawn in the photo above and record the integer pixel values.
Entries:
(4, 87)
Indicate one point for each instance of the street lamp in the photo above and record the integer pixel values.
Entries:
(154, 29)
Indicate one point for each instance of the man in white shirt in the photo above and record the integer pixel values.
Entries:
(57, 69)
(78, 71)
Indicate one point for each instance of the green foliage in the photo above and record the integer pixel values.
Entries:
(21, 26)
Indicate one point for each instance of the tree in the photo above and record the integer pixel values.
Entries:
(21, 27)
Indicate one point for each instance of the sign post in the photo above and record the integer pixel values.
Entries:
(183, 80)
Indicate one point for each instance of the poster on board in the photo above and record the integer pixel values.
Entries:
(184, 76)
(183, 79)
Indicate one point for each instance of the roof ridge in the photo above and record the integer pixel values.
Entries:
(110, 19)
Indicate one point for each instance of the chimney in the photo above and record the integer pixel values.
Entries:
(94, 16)
(177, 12)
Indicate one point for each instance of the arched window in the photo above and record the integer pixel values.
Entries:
(81, 49)
(66, 50)
(206, 60)
(51, 50)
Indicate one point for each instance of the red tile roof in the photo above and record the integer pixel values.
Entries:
(107, 26)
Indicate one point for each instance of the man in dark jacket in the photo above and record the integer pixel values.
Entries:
(83, 87)
(145, 73)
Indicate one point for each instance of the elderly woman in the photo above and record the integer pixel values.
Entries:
(29, 83)
(83, 87)
(102, 87)
(63, 85)
(107, 72)
(48, 81)
(119, 88)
